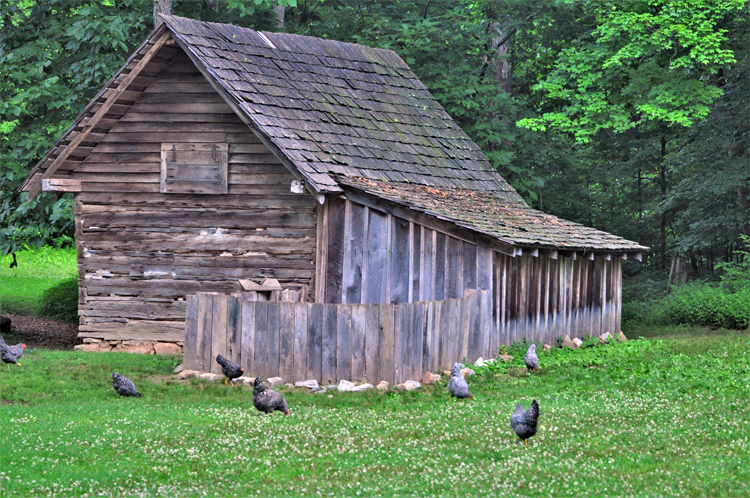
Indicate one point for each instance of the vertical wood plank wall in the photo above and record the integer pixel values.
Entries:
(375, 257)
(140, 252)
(542, 299)
(330, 342)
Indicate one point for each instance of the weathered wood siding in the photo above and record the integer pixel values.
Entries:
(331, 342)
(375, 257)
(541, 298)
(140, 252)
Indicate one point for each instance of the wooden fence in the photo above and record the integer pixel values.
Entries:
(330, 342)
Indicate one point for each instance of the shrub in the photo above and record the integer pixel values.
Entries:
(61, 301)
(704, 305)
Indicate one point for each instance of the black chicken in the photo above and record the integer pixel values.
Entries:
(229, 368)
(523, 422)
(266, 400)
(11, 354)
(124, 386)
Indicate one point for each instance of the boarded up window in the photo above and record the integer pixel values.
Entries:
(194, 168)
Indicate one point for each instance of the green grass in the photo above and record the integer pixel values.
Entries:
(657, 417)
(21, 288)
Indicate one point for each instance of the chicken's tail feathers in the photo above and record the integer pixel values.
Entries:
(533, 412)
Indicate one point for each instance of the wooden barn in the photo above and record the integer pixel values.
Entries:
(219, 157)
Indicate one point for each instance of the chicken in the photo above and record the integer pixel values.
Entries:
(266, 400)
(229, 368)
(524, 423)
(458, 386)
(11, 354)
(124, 386)
(531, 359)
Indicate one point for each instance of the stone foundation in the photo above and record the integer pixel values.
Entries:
(139, 347)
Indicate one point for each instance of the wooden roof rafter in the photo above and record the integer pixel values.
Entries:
(81, 131)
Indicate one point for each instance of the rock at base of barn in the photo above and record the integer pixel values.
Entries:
(211, 376)
(179, 368)
(309, 384)
(430, 378)
(505, 357)
(467, 372)
(94, 345)
(274, 381)
(167, 348)
(345, 385)
(568, 343)
(605, 337)
(577, 342)
(186, 374)
(409, 385)
(383, 385)
(362, 387)
(546, 347)
(621, 337)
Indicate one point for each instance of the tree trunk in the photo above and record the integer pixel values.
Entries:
(663, 185)
(161, 7)
(280, 10)
(501, 59)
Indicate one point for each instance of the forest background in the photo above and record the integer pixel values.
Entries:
(628, 116)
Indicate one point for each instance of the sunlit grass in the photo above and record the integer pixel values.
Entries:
(37, 271)
(671, 420)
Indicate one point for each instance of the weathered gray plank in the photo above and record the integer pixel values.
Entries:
(234, 328)
(358, 333)
(416, 340)
(454, 284)
(205, 311)
(261, 339)
(440, 269)
(274, 343)
(328, 367)
(286, 340)
(427, 277)
(248, 336)
(191, 334)
(353, 253)
(386, 367)
(377, 258)
(315, 341)
(301, 311)
(431, 350)
(344, 342)
(400, 261)
(415, 268)
(401, 325)
(335, 263)
(469, 270)
(372, 343)
(218, 330)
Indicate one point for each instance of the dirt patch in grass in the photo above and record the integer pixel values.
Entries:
(42, 332)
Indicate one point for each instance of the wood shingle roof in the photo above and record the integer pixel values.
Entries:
(338, 108)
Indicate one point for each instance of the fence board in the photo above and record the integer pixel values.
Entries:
(358, 338)
(234, 331)
(372, 343)
(286, 340)
(329, 344)
(386, 366)
(400, 330)
(260, 360)
(247, 308)
(205, 311)
(315, 341)
(191, 333)
(274, 349)
(343, 342)
(301, 312)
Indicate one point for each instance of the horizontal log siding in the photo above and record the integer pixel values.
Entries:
(141, 252)
(542, 299)
(375, 257)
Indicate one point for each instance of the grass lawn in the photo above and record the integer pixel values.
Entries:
(658, 417)
(37, 271)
